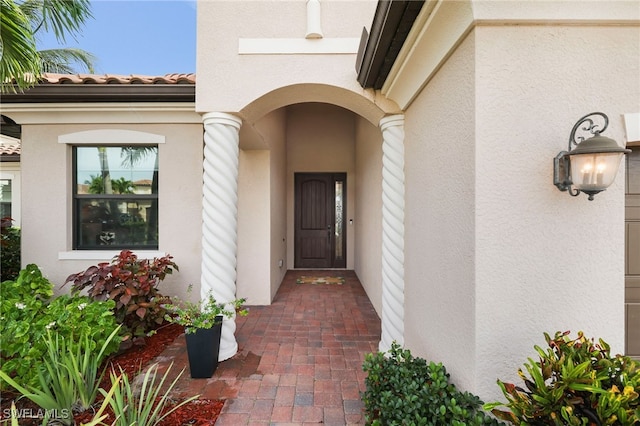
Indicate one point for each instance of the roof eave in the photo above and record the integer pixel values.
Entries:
(392, 22)
(65, 93)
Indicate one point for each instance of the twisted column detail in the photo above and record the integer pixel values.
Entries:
(220, 217)
(392, 231)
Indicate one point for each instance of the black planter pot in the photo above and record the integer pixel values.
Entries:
(203, 347)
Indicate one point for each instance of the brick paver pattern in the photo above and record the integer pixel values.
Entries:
(299, 359)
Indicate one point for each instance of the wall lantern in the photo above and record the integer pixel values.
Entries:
(592, 165)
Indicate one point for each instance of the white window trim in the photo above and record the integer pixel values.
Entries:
(111, 137)
(105, 255)
(107, 137)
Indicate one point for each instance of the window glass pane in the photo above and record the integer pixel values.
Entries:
(339, 232)
(117, 170)
(116, 221)
(5, 198)
(116, 197)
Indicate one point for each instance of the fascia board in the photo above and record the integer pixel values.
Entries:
(442, 25)
(438, 29)
(102, 113)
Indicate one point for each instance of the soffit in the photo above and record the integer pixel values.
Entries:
(9, 128)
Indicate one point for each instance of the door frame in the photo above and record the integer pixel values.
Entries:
(632, 242)
(335, 262)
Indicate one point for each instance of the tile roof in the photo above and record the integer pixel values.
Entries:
(51, 78)
(10, 149)
(67, 88)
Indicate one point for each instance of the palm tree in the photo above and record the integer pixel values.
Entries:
(131, 156)
(21, 63)
(18, 54)
(119, 186)
(122, 186)
(96, 184)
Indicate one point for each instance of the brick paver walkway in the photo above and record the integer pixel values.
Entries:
(299, 359)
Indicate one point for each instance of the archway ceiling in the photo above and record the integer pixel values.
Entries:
(368, 104)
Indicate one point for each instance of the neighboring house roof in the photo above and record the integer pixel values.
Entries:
(108, 88)
(9, 151)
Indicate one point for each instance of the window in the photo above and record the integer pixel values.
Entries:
(10, 192)
(115, 197)
(5, 198)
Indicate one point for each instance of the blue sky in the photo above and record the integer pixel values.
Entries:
(148, 37)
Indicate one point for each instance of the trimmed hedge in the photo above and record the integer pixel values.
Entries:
(404, 390)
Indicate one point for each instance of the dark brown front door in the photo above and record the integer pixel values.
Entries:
(319, 220)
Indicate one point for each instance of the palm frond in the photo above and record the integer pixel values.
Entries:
(132, 155)
(66, 61)
(32, 10)
(63, 17)
(19, 59)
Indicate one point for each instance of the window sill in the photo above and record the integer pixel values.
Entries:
(105, 255)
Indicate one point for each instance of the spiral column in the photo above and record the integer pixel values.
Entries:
(220, 217)
(392, 231)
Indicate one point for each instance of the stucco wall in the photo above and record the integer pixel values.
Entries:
(546, 261)
(254, 227)
(278, 203)
(439, 218)
(219, 31)
(493, 250)
(368, 210)
(262, 212)
(320, 138)
(46, 212)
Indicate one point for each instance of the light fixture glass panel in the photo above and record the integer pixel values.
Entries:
(591, 172)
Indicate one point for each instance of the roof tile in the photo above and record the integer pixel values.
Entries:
(10, 149)
(52, 78)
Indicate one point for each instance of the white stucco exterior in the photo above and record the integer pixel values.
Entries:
(47, 136)
(489, 91)
(493, 251)
(492, 254)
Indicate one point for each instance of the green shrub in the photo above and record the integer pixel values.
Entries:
(145, 405)
(68, 378)
(9, 250)
(133, 285)
(403, 390)
(28, 313)
(575, 382)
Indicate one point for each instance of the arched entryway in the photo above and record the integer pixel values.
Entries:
(304, 129)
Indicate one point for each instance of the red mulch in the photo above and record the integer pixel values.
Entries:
(200, 412)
